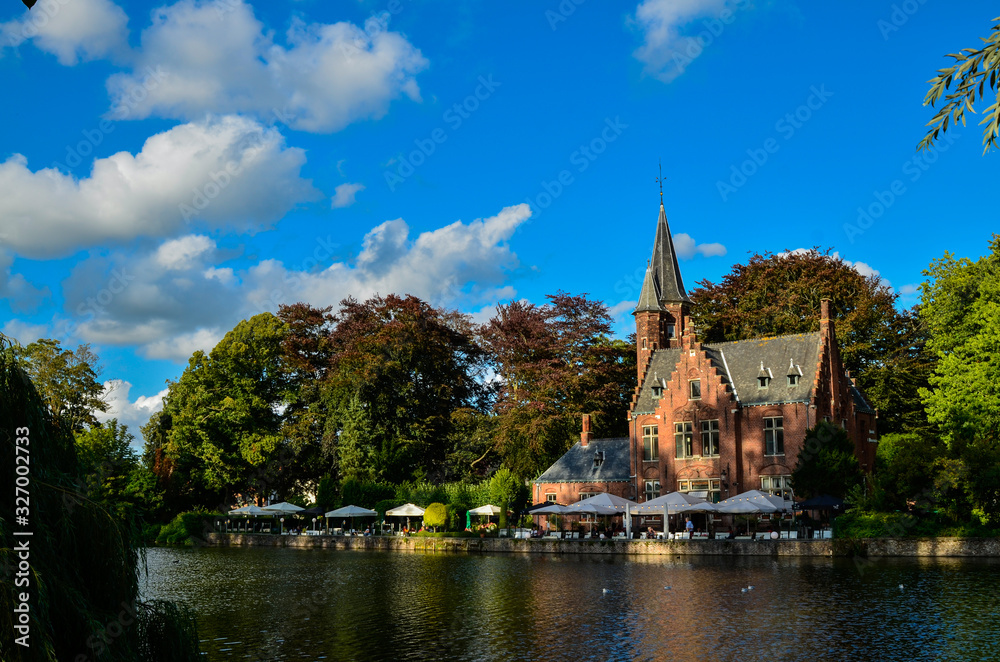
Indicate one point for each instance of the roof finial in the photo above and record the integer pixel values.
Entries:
(660, 180)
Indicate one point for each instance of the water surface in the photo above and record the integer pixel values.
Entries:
(302, 604)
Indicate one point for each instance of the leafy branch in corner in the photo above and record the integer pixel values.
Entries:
(970, 74)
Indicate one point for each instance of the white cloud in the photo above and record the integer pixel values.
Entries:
(621, 308)
(225, 172)
(218, 58)
(456, 264)
(180, 347)
(171, 300)
(344, 195)
(666, 51)
(25, 332)
(909, 290)
(72, 30)
(133, 414)
(687, 247)
(182, 253)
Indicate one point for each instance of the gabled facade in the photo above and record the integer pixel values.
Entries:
(723, 418)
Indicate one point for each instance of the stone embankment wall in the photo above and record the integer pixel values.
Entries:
(873, 547)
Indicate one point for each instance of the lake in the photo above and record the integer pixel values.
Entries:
(311, 604)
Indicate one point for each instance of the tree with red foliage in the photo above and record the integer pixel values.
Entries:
(554, 363)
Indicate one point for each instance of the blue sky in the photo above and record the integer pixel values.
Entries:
(167, 170)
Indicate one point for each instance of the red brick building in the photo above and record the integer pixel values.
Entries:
(719, 418)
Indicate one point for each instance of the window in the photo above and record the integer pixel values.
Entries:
(652, 489)
(587, 495)
(683, 435)
(598, 459)
(793, 380)
(671, 331)
(710, 487)
(774, 436)
(550, 497)
(710, 438)
(695, 389)
(644, 343)
(777, 486)
(650, 443)
(763, 381)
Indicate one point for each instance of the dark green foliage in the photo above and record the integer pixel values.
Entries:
(365, 493)
(66, 381)
(85, 560)
(386, 504)
(219, 432)
(905, 468)
(827, 463)
(327, 493)
(507, 492)
(188, 528)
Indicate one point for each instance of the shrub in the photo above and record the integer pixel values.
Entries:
(436, 515)
(187, 528)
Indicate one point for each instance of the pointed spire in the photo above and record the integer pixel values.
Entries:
(666, 271)
(649, 297)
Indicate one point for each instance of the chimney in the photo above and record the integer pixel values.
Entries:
(585, 435)
(824, 310)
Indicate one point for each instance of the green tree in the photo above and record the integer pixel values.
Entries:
(107, 464)
(85, 561)
(775, 294)
(400, 369)
(906, 466)
(827, 463)
(67, 381)
(975, 69)
(219, 431)
(960, 304)
(507, 492)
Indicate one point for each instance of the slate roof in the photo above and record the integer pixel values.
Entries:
(739, 364)
(859, 401)
(663, 281)
(577, 464)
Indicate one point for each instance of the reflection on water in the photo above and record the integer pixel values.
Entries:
(298, 604)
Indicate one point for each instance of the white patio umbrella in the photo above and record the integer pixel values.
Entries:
(551, 509)
(666, 505)
(485, 510)
(251, 510)
(407, 510)
(352, 512)
(283, 508)
(606, 504)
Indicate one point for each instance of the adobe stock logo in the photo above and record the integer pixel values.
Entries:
(786, 126)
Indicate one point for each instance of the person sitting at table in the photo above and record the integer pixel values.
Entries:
(732, 534)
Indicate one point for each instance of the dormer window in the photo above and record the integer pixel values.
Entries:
(694, 389)
(598, 459)
(764, 376)
(794, 373)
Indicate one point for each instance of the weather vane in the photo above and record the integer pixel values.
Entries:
(660, 179)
